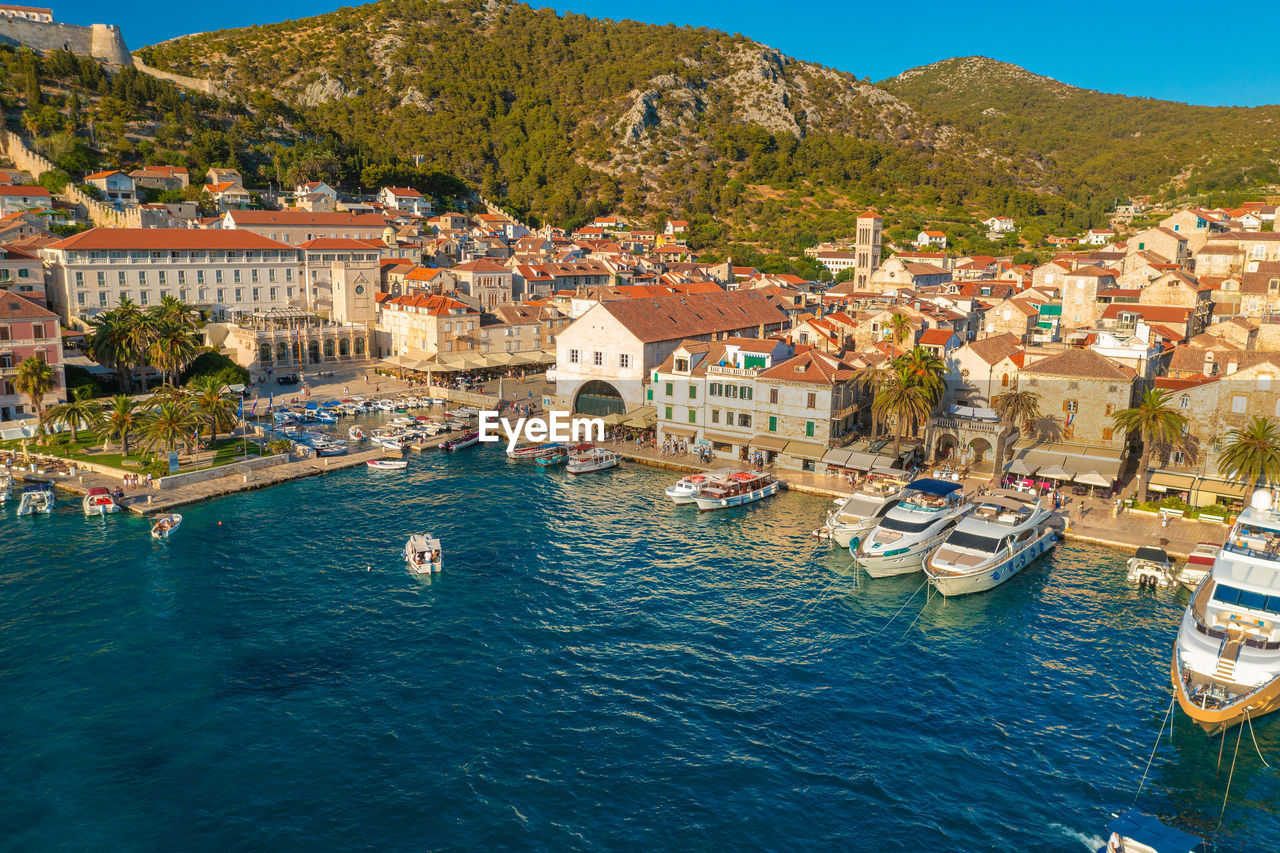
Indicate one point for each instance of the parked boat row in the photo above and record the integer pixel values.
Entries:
(858, 514)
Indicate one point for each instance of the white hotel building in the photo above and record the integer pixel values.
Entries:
(217, 271)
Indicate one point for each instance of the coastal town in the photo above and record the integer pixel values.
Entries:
(171, 336)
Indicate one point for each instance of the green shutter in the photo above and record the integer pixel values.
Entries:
(670, 388)
(649, 394)
(693, 416)
(808, 428)
(668, 413)
(773, 424)
(693, 391)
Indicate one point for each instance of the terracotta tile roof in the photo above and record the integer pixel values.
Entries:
(108, 173)
(15, 307)
(1259, 281)
(870, 214)
(810, 367)
(433, 305)
(306, 217)
(936, 337)
(167, 239)
(669, 318)
(996, 348)
(1081, 363)
(339, 243)
(1149, 313)
(481, 265)
(1095, 272)
(406, 192)
(31, 191)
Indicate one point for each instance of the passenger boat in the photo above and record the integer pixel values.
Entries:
(531, 451)
(1134, 832)
(99, 502)
(165, 525)
(736, 489)
(36, 499)
(593, 459)
(1151, 568)
(1226, 661)
(355, 434)
(683, 490)
(1198, 565)
(858, 514)
(1006, 530)
(423, 554)
(387, 464)
(465, 440)
(926, 512)
(552, 456)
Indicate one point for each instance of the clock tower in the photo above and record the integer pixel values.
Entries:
(355, 278)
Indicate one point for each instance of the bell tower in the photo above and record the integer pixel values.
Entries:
(356, 279)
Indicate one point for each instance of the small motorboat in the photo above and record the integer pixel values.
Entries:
(464, 440)
(594, 459)
(165, 525)
(388, 464)
(526, 452)
(329, 448)
(390, 443)
(423, 554)
(683, 490)
(37, 499)
(355, 434)
(1134, 832)
(99, 502)
(1199, 564)
(1151, 568)
(554, 456)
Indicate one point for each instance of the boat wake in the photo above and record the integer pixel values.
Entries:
(1091, 842)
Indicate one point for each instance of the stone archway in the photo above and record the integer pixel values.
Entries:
(980, 454)
(359, 346)
(313, 352)
(598, 398)
(264, 355)
(945, 447)
(328, 349)
(344, 347)
(282, 353)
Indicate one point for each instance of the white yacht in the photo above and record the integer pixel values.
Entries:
(1151, 568)
(926, 512)
(593, 459)
(683, 490)
(1005, 532)
(36, 499)
(423, 554)
(1226, 661)
(165, 525)
(858, 514)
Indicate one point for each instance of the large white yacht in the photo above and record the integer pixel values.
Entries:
(1226, 661)
(1006, 530)
(925, 514)
(862, 511)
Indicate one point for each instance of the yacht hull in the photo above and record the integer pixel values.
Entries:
(1259, 703)
(992, 576)
(898, 564)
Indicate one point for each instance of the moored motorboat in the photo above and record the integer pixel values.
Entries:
(1225, 665)
(526, 452)
(1150, 567)
(1198, 565)
(36, 500)
(387, 464)
(683, 490)
(165, 525)
(99, 501)
(552, 456)
(464, 440)
(926, 512)
(736, 489)
(1135, 832)
(1003, 534)
(355, 433)
(329, 448)
(858, 514)
(390, 443)
(593, 459)
(423, 554)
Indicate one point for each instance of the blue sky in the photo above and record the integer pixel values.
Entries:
(1166, 51)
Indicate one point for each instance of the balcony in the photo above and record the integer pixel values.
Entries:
(746, 372)
(950, 422)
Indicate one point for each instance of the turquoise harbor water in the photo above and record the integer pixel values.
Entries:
(595, 669)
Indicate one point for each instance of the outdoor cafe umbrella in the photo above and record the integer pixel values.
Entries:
(1055, 472)
(1091, 479)
(1020, 466)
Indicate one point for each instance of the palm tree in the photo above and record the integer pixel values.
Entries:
(872, 378)
(211, 401)
(35, 379)
(1017, 410)
(122, 418)
(1252, 454)
(172, 347)
(897, 330)
(903, 399)
(1156, 423)
(120, 338)
(173, 310)
(81, 410)
(926, 369)
(167, 425)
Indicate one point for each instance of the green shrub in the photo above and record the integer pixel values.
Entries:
(217, 365)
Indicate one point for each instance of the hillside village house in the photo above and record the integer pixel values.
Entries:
(926, 239)
(228, 196)
(487, 282)
(604, 358)
(422, 326)
(22, 272)
(405, 200)
(1197, 226)
(1080, 288)
(1246, 251)
(298, 226)
(17, 198)
(218, 271)
(998, 224)
(161, 177)
(1259, 295)
(1168, 244)
(116, 187)
(27, 329)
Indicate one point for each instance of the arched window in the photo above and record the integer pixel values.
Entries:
(344, 347)
(328, 348)
(282, 352)
(264, 354)
(359, 346)
(1004, 381)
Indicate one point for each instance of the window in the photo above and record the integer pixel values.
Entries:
(715, 416)
(221, 295)
(142, 278)
(144, 297)
(182, 276)
(808, 429)
(1238, 403)
(746, 392)
(773, 423)
(1264, 382)
(1178, 458)
(714, 389)
(731, 391)
(668, 413)
(102, 279)
(253, 275)
(274, 291)
(257, 294)
(693, 391)
(624, 361)
(80, 298)
(1004, 381)
(811, 401)
(217, 277)
(1111, 408)
(1184, 402)
(671, 389)
(37, 331)
(773, 395)
(744, 420)
(239, 294)
(682, 365)
(573, 354)
(271, 274)
(1107, 432)
(1069, 406)
(288, 274)
(693, 416)
(102, 299)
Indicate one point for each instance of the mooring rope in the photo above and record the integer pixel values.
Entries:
(1143, 781)
(903, 607)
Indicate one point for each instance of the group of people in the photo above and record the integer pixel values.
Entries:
(675, 447)
(137, 481)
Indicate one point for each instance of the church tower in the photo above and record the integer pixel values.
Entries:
(355, 278)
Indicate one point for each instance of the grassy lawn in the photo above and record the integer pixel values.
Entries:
(224, 451)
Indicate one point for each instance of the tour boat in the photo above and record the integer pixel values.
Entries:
(387, 464)
(594, 459)
(465, 440)
(99, 502)
(6, 484)
(926, 512)
(1150, 567)
(531, 451)
(1226, 661)
(858, 514)
(36, 499)
(683, 490)
(165, 525)
(737, 489)
(1134, 832)
(423, 554)
(1004, 533)
(1198, 565)
(355, 434)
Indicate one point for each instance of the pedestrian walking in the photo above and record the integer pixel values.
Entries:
(1082, 510)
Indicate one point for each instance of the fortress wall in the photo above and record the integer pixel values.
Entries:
(208, 87)
(101, 41)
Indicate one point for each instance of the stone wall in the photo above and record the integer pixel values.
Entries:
(207, 87)
(101, 41)
(100, 214)
(173, 481)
